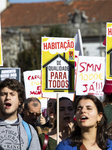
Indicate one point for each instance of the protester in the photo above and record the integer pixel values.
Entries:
(32, 113)
(66, 115)
(107, 102)
(13, 133)
(90, 129)
(49, 125)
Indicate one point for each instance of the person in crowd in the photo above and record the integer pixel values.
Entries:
(32, 113)
(90, 130)
(107, 102)
(49, 125)
(13, 134)
(66, 123)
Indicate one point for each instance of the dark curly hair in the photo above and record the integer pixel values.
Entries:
(14, 85)
(101, 137)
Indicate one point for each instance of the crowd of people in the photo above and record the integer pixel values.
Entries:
(84, 124)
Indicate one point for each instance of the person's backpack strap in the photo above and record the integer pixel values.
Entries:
(27, 128)
(46, 139)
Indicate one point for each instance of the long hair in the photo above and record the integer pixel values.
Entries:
(107, 99)
(101, 137)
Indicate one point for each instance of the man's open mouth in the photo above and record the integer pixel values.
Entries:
(7, 104)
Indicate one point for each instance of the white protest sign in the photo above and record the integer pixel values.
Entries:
(76, 65)
(90, 77)
(32, 80)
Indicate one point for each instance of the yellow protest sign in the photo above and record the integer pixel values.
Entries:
(57, 64)
(109, 51)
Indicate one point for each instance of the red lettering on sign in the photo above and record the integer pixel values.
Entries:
(85, 88)
(38, 87)
(50, 83)
(60, 75)
(58, 45)
(34, 77)
(109, 31)
(45, 45)
(86, 66)
(56, 76)
(61, 45)
(64, 76)
(35, 92)
(52, 74)
(54, 83)
(58, 84)
(49, 46)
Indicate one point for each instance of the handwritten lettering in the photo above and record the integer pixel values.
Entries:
(94, 76)
(35, 83)
(34, 77)
(92, 87)
(86, 67)
(35, 92)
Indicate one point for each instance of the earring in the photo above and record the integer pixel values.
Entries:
(98, 123)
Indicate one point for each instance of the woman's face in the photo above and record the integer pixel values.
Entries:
(50, 107)
(86, 114)
(66, 113)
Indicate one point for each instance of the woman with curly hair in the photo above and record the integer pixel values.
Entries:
(90, 129)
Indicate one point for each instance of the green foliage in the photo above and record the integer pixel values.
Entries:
(30, 59)
(56, 31)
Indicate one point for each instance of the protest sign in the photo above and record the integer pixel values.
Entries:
(12, 73)
(57, 64)
(32, 81)
(76, 66)
(90, 76)
(109, 51)
(1, 59)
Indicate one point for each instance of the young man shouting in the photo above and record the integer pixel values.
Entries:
(13, 134)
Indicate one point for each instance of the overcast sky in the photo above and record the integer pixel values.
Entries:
(30, 1)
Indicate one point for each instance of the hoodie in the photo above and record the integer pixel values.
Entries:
(14, 136)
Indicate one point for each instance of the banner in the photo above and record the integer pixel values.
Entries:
(12, 73)
(57, 64)
(90, 76)
(1, 59)
(109, 51)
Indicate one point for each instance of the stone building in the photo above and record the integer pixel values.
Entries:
(18, 21)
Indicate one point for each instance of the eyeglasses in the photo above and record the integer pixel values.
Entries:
(34, 114)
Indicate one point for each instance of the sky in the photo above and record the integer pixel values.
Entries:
(30, 1)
